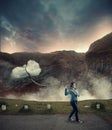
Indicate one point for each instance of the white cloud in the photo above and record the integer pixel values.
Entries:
(19, 72)
(32, 67)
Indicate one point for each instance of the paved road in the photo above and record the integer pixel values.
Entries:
(51, 122)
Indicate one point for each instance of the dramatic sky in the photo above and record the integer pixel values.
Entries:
(51, 25)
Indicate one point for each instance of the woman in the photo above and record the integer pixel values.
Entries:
(73, 92)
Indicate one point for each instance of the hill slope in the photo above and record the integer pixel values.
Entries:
(59, 66)
(99, 56)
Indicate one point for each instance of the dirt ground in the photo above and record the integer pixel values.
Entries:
(52, 122)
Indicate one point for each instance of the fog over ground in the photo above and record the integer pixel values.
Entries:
(96, 87)
(101, 89)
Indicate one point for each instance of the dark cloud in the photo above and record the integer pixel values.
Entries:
(36, 20)
(89, 13)
(27, 13)
(96, 10)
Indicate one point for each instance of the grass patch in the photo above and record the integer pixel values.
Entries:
(16, 107)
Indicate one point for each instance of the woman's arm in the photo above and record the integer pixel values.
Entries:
(76, 92)
(66, 91)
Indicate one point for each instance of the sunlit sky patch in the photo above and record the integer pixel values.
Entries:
(52, 25)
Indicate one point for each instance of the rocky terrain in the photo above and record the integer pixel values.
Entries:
(63, 66)
(99, 56)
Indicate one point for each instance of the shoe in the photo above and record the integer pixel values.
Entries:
(79, 121)
(71, 119)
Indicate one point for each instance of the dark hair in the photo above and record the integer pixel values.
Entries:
(71, 85)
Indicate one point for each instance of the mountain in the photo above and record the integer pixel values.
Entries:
(60, 64)
(99, 56)
(102, 45)
(57, 67)
(63, 66)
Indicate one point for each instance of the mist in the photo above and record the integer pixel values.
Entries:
(102, 88)
(98, 88)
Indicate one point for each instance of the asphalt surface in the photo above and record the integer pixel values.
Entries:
(51, 122)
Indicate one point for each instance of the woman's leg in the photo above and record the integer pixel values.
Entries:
(76, 111)
(73, 109)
